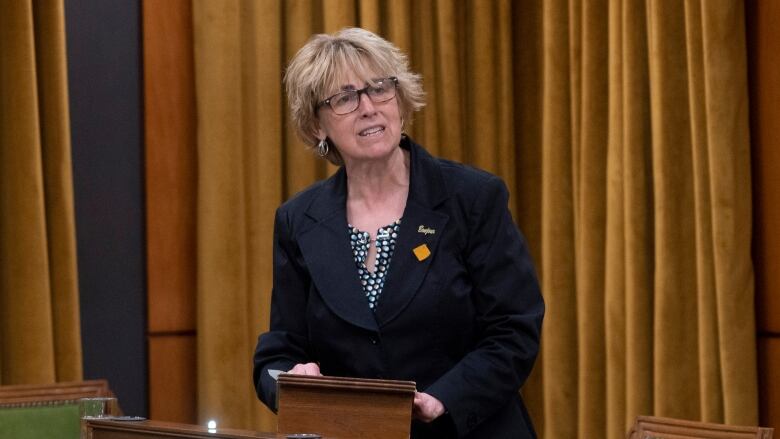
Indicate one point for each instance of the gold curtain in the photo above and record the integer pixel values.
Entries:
(620, 127)
(40, 339)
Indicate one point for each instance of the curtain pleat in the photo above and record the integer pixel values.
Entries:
(527, 130)
(676, 383)
(590, 215)
(222, 214)
(39, 311)
(58, 187)
(725, 89)
(711, 407)
(444, 90)
(620, 128)
(638, 214)
(615, 270)
(240, 168)
(559, 332)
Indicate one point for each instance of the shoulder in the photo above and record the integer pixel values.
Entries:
(301, 210)
(443, 178)
(475, 195)
(299, 202)
(467, 180)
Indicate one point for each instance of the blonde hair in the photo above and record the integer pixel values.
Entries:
(323, 63)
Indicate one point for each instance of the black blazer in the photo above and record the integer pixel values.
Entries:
(464, 323)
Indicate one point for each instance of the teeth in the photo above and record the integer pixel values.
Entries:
(372, 130)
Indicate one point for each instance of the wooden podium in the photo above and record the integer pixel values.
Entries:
(345, 408)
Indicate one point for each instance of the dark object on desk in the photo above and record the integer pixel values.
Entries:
(345, 407)
(662, 428)
(128, 418)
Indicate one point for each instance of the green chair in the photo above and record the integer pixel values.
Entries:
(45, 411)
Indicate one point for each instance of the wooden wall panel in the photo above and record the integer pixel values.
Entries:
(764, 72)
(763, 39)
(171, 166)
(172, 378)
(171, 179)
(769, 381)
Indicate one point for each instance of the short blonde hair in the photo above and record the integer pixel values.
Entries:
(322, 64)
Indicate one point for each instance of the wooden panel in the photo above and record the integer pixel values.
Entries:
(166, 430)
(59, 393)
(769, 381)
(172, 378)
(668, 428)
(763, 36)
(763, 41)
(171, 168)
(345, 407)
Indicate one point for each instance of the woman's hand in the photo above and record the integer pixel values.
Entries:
(306, 369)
(426, 407)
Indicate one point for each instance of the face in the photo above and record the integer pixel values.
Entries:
(371, 132)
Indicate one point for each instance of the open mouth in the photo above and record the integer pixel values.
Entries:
(372, 131)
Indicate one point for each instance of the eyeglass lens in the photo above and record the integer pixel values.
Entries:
(348, 101)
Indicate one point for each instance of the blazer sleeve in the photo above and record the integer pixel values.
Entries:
(509, 310)
(286, 343)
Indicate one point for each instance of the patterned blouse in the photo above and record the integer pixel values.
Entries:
(373, 281)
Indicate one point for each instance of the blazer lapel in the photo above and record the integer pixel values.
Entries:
(328, 254)
(421, 225)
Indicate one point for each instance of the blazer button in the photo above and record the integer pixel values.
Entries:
(374, 340)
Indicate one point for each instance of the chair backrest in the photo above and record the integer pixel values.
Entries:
(34, 411)
(30, 395)
(652, 427)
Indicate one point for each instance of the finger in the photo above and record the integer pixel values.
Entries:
(298, 369)
(312, 369)
(305, 369)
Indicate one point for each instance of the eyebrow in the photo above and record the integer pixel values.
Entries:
(350, 87)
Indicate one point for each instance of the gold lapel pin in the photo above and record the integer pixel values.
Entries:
(426, 230)
(422, 252)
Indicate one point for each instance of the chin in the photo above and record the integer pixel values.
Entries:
(383, 150)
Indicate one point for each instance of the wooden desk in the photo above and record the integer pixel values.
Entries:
(100, 429)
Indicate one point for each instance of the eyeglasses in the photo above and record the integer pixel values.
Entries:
(348, 101)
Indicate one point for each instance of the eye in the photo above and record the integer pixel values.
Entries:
(344, 98)
(377, 89)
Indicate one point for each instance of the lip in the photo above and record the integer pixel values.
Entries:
(371, 131)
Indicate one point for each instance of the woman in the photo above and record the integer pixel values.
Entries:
(401, 265)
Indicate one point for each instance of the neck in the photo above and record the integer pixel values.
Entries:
(373, 181)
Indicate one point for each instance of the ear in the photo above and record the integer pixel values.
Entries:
(316, 129)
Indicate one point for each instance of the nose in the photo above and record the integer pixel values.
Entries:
(366, 105)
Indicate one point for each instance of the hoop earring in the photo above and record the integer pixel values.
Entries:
(323, 148)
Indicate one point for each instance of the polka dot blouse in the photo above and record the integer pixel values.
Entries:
(373, 282)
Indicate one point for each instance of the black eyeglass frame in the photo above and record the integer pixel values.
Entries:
(359, 92)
